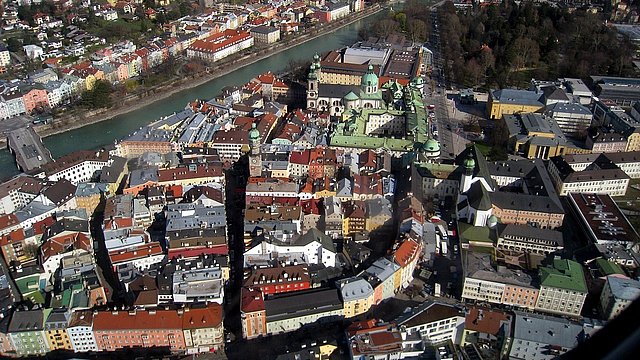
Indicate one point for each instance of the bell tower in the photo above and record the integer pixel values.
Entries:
(313, 80)
(255, 157)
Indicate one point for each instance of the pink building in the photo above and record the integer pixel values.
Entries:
(115, 330)
(35, 98)
(122, 70)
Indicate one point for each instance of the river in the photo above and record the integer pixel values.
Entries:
(107, 132)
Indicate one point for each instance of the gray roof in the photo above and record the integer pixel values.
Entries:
(526, 202)
(315, 235)
(264, 29)
(382, 268)
(30, 320)
(534, 333)
(478, 266)
(573, 108)
(141, 176)
(513, 96)
(297, 304)
(110, 173)
(355, 288)
(624, 289)
(530, 232)
(479, 197)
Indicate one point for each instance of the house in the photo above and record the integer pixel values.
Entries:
(278, 280)
(618, 293)
(119, 329)
(65, 235)
(563, 288)
(80, 331)
(252, 313)
(265, 34)
(434, 322)
(203, 328)
(55, 331)
(368, 340)
(510, 101)
(487, 326)
(542, 337)
(314, 247)
(290, 311)
(26, 332)
(357, 296)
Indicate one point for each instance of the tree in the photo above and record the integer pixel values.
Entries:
(401, 18)
(99, 96)
(417, 30)
(14, 44)
(385, 28)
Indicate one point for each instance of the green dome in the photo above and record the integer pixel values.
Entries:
(254, 134)
(431, 145)
(316, 57)
(351, 96)
(469, 163)
(369, 79)
(492, 221)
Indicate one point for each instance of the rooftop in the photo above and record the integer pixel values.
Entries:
(564, 274)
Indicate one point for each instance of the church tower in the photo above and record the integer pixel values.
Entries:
(369, 81)
(469, 165)
(255, 157)
(313, 79)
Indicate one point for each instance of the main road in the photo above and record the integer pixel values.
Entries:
(107, 132)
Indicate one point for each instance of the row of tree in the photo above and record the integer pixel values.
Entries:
(506, 44)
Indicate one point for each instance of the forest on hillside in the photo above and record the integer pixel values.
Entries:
(508, 44)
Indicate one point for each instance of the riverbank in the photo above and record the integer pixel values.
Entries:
(166, 90)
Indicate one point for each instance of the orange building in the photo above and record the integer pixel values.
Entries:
(252, 314)
(34, 99)
(520, 296)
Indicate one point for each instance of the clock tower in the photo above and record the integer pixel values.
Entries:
(255, 158)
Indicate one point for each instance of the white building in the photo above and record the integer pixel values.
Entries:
(77, 167)
(434, 322)
(33, 51)
(5, 56)
(220, 46)
(80, 331)
(314, 247)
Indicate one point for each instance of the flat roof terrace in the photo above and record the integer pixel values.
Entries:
(28, 149)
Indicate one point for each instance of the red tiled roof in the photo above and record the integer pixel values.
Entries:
(183, 173)
(124, 320)
(12, 237)
(196, 318)
(42, 225)
(59, 244)
(134, 253)
(220, 41)
(484, 320)
(300, 157)
(251, 301)
(8, 220)
(407, 251)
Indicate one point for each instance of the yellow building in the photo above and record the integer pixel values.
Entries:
(55, 331)
(357, 296)
(88, 196)
(633, 141)
(510, 101)
(534, 135)
(112, 175)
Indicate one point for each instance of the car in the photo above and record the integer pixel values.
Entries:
(455, 249)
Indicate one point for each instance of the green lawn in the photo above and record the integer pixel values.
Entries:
(484, 148)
